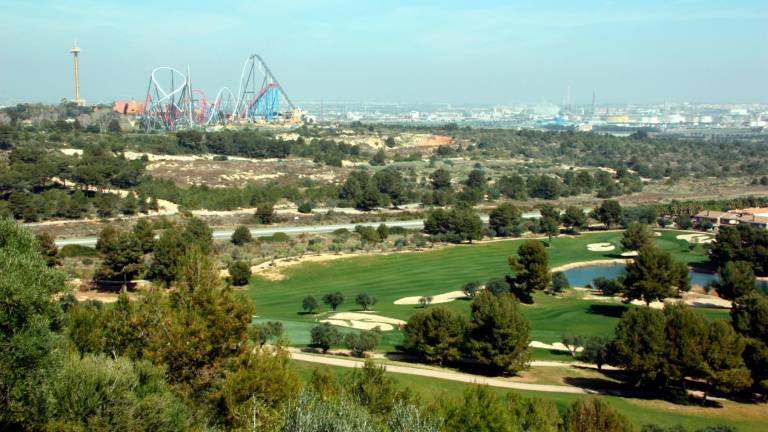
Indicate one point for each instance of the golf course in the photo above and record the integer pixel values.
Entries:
(389, 277)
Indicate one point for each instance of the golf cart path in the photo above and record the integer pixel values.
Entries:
(447, 375)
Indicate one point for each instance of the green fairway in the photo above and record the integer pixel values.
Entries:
(390, 277)
(745, 417)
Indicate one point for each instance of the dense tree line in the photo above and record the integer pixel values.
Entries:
(654, 158)
(259, 145)
(496, 334)
(40, 184)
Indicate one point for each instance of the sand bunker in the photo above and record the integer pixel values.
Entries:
(691, 299)
(600, 247)
(557, 346)
(696, 238)
(363, 321)
(437, 299)
(656, 234)
(630, 254)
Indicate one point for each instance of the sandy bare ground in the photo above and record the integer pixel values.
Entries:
(603, 262)
(600, 247)
(436, 299)
(557, 346)
(696, 238)
(442, 374)
(363, 321)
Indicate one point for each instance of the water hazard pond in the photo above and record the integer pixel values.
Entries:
(580, 277)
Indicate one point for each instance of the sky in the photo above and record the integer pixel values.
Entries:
(478, 52)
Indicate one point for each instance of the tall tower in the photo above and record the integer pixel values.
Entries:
(75, 51)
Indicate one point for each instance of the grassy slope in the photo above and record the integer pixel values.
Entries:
(389, 277)
(746, 418)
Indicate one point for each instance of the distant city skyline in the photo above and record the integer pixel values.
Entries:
(482, 52)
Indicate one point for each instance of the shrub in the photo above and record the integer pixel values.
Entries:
(596, 415)
(306, 207)
(324, 336)
(559, 282)
(241, 236)
(471, 288)
(239, 273)
(362, 341)
(74, 250)
(607, 286)
(280, 237)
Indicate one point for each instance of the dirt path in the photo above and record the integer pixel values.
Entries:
(447, 375)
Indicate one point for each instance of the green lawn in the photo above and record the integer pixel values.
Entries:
(745, 417)
(390, 277)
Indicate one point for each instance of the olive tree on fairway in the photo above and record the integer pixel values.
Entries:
(498, 334)
(560, 282)
(653, 275)
(333, 299)
(362, 341)
(365, 300)
(324, 336)
(551, 227)
(531, 267)
(310, 304)
(471, 288)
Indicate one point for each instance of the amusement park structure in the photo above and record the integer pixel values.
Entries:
(173, 104)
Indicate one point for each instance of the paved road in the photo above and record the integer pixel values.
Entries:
(226, 234)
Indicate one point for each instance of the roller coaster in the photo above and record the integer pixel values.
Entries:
(173, 104)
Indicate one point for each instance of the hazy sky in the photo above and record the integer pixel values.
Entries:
(391, 51)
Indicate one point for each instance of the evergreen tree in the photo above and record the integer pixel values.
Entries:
(438, 334)
(531, 267)
(574, 218)
(241, 236)
(736, 280)
(145, 234)
(239, 273)
(28, 312)
(122, 257)
(48, 249)
(639, 344)
(653, 275)
(498, 333)
(636, 236)
(504, 220)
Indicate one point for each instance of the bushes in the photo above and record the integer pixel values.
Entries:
(594, 415)
(324, 336)
(362, 341)
(239, 273)
(438, 334)
(74, 250)
(241, 236)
